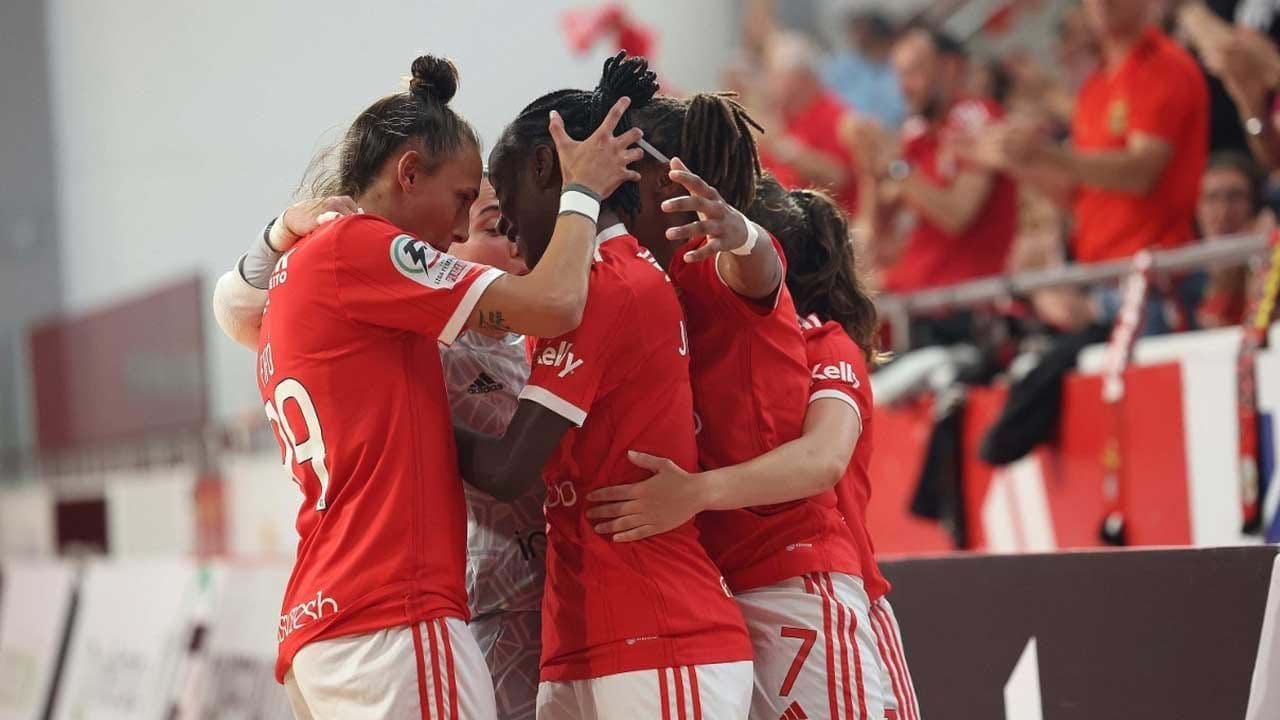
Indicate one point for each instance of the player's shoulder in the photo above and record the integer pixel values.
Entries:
(829, 335)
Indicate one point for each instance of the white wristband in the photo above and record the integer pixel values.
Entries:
(753, 234)
(575, 201)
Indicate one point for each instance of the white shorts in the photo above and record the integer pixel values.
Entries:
(511, 642)
(900, 693)
(815, 651)
(431, 671)
(721, 691)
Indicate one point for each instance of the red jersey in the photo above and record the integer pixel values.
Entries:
(750, 388)
(817, 127)
(623, 378)
(934, 257)
(1158, 90)
(349, 369)
(838, 369)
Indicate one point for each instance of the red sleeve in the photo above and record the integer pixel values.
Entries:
(704, 282)
(389, 279)
(837, 368)
(567, 371)
(1161, 107)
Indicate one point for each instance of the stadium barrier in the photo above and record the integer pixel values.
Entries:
(1119, 634)
(1133, 634)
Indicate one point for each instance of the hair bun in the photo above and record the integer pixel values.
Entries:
(435, 79)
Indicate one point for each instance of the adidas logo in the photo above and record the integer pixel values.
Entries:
(794, 712)
(484, 385)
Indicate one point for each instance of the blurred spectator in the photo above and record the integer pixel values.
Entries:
(1245, 68)
(1139, 134)
(861, 74)
(1233, 104)
(802, 144)
(966, 215)
(1230, 203)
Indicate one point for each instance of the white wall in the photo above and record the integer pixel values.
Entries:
(181, 126)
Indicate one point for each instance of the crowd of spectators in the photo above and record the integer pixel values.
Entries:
(1148, 124)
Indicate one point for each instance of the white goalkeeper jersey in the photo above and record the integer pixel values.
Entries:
(506, 542)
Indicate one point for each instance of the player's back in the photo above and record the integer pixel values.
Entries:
(623, 377)
(350, 374)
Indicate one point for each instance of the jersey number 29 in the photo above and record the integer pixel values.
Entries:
(312, 449)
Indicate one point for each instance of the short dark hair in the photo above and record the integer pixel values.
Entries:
(946, 44)
(1246, 166)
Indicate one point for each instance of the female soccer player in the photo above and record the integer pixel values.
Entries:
(349, 370)
(637, 631)
(792, 566)
(839, 322)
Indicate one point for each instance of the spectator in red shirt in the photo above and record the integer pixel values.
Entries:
(1139, 141)
(966, 215)
(802, 146)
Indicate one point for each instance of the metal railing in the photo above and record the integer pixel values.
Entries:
(897, 310)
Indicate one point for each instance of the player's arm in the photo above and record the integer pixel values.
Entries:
(548, 301)
(747, 262)
(509, 466)
(801, 468)
(240, 295)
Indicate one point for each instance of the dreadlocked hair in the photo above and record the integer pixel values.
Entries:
(822, 272)
(583, 111)
(713, 134)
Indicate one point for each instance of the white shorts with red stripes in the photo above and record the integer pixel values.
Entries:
(720, 691)
(900, 692)
(431, 671)
(815, 651)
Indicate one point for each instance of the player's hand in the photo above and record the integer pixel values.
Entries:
(723, 226)
(600, 163)
(636, 511)
(301, 218)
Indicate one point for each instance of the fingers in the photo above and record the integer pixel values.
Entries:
(706, 251)
(633, 155)
(640, 533)
(614, 493)
(629, 138)
(610, 511)
(614, 116)
(694, 184)
(558, 134)
(343, 204)
(690, 203)
(649, 462)
(622, 524)
(710, 228)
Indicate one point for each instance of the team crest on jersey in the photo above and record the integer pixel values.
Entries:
(425, 265)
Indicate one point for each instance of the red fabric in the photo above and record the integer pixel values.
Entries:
(609, 607)
(817, 127)
(934, 257)
(836, 363)
(1158, 90)
(349, 366)
(751, 386)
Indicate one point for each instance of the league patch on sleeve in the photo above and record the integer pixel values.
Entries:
(425, 265)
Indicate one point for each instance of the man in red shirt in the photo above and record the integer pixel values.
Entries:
(802, 146)
(1139, 141)
(966, 216)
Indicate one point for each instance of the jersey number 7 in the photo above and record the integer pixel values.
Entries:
(312, 449)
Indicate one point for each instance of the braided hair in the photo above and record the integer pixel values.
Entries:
(713, 134)
(582, 112)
